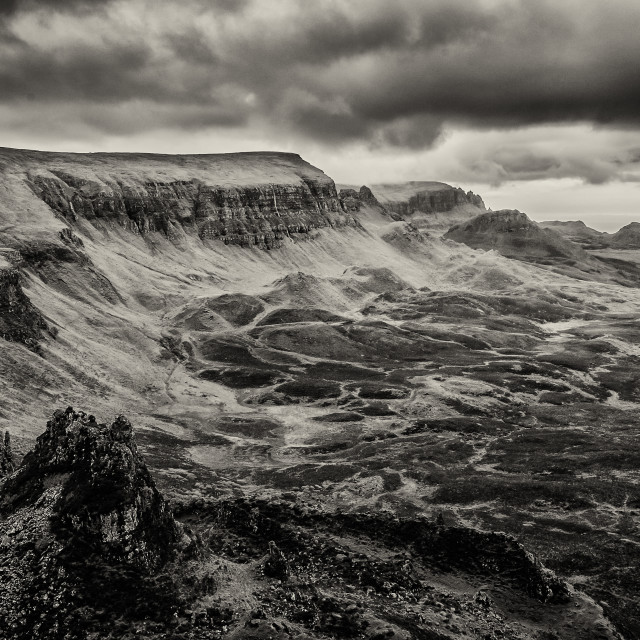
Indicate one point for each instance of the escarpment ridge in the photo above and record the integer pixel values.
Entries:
(427, 197)
(244, 198)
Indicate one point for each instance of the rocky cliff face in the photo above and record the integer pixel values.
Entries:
(439, 200)
(20, 321)
(245, 199)
(352, 200)
(256, 215)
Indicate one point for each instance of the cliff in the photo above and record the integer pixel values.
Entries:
(20, 321)
(407, 199)
(353, 200)
(243, 198)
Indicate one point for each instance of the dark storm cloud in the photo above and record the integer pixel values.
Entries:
(517, 66)
(334, 71)
(8, 7)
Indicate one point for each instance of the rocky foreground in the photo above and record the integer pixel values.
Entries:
(90, 549)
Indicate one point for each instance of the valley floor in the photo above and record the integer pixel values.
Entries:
(373, 370)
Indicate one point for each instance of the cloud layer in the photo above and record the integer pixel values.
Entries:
(335, 73)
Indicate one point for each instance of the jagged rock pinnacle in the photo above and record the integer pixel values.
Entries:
(81, 524)
(109, 500)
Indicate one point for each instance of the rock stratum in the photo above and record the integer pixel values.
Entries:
(245, 199)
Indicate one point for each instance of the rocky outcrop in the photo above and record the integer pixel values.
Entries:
(108, 500)
(352, 200)
(276, 565)
(7, 462)
(20, 321)
(67, 267)
(436, 201)
(515, 235)
(83, 532)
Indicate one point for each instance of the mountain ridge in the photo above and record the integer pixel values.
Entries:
(244, 198)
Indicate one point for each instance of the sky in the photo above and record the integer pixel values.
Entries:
(534, 104)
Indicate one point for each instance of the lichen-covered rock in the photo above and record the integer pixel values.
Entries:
(109, 500)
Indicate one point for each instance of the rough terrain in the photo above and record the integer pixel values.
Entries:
(343, 378)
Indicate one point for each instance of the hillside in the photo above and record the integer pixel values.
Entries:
(515, 235)
(577, 231)
(320, 372)
(628, 237)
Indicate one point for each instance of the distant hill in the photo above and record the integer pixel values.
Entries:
(515, 235)
(626, 238)
(576, 231)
